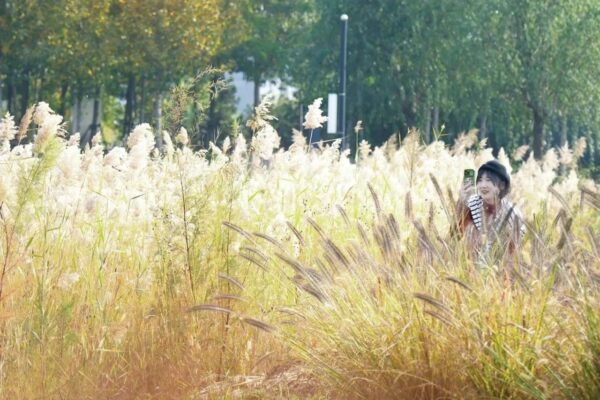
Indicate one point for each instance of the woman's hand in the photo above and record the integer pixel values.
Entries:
(462, 210)
(467, 189)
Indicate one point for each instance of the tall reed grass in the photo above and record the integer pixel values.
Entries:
(258, 271)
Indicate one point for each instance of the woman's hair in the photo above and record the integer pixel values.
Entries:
(496, 180)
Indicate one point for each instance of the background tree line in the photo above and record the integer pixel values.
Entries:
(520, 71)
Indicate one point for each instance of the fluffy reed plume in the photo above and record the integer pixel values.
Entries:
(182, 137)
(168, 144)
(579, 148)
(49, 127)
(358, 128)
(8, 130)
(25, 122)
(314, 118)
(520, 152)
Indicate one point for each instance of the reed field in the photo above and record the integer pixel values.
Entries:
(249, 271)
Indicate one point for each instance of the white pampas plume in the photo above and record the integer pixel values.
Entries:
(265, 141)
(358, 127)
(484, 156)
(298, 141)
(314, 118)
(503, 158)
(261, 115)
(51, 127)
(141, 143)
(74, 139)
(115, 157)
(265, 137)
(566, 156)
(97, 139)
(168, 143)
(217, 155)
(520, 152)
(8, 130)
(182, 137)
(483, 143)
(142, 134)
(550, 161)
(226, 145)
(579, 148)
(3, 191)
(42, 111)
(240, 149)
(364, 150)
(25, 122)
(465, 141)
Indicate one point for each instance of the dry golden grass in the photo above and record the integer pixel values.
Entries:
(286, 274)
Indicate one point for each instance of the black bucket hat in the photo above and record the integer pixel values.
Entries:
(499, 170)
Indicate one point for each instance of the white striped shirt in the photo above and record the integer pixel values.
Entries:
(507, 216)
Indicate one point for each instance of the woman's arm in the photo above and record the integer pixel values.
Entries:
(463, 213)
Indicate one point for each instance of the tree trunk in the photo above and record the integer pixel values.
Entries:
(2, 12)
(483, 125)
(39, 87)
(563, 138)
(158, 119)
(410, 117)
(256, 91)
(12, 96)
(212, 125)
(142, 99)
(436, 118)
(77, 116)
(64, 88)
(563, 130)
(96, 114)
(427, 130)
(538, 133)
(24, 93)
(128, 120)
(1, 91)
(301, 128)
(8, 94)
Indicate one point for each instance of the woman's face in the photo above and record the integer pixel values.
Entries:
(487, 189)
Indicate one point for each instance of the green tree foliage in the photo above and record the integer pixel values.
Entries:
(162, 41)
(86, 45)
(553, 56)
(508, 68)
(265, 36)
(520, 71)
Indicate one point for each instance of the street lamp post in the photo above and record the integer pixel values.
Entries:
(342, 89)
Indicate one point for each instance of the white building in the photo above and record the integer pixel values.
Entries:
(244, 91)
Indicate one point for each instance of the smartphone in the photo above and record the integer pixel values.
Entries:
(469, 175)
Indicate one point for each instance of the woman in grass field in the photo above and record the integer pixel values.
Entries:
(491, 224)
